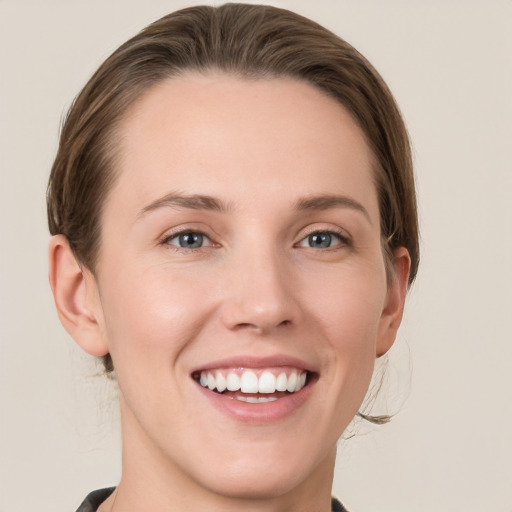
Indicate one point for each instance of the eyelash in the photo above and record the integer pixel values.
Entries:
(167, 240)
(343, 239)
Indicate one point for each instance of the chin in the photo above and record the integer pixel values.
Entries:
(264, 475)
(256, 484)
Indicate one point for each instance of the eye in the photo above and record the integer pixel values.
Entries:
(323, 240)
(188, 240)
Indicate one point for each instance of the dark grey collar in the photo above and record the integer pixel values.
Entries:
(96, 498)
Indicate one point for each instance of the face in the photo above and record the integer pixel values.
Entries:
(241, 287)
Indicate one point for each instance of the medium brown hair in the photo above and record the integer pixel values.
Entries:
(249, 41)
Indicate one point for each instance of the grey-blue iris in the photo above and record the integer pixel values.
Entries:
(191, 240)
(320, 240)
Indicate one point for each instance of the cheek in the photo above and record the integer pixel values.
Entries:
(349, 304)
(151, 316)
(348, 312)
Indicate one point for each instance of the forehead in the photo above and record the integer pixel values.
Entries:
(224, 135)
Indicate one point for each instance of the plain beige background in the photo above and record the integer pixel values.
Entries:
(449, 64)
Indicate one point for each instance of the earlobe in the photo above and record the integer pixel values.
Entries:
(395, 301)
(76, 297)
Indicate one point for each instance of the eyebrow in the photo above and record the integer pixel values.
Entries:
(205, 202)
(329, 201)
(192, 202)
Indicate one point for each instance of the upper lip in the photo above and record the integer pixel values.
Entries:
(256, 363)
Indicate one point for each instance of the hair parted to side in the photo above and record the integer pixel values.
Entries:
(249, 41)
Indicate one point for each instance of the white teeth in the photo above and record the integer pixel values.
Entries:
(221, 382)
(301, 381)
(233, 382)
(292, 381)
(256, 400)
(282, 382)
(267, 399)
(248, 382)
(267, 383)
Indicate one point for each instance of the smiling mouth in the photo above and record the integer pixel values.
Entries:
(254, 385)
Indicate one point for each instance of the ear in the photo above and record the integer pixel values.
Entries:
(76, 297)
(395, 299)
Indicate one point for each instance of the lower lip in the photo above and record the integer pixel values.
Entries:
(258, 413)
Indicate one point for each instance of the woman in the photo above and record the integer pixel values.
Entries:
(234, 223)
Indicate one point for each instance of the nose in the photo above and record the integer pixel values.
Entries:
(260, 294)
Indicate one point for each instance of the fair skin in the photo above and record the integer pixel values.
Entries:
(242, 235)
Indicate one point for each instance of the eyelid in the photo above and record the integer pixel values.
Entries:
(344, 236)
(182, 230)
(203, 236)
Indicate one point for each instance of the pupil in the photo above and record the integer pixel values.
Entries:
(320, 240)
(191, 240)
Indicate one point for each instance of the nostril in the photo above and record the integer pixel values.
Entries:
(255, 326)
(246, 325)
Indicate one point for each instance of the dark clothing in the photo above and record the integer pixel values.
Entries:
(96, 498)
(336, 506)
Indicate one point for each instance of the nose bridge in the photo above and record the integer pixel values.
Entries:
(259, 294)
